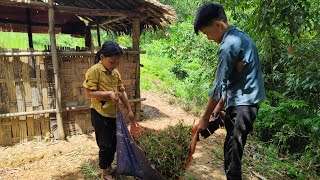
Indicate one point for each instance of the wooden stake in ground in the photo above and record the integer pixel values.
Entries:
(55, 70)
(136, 47)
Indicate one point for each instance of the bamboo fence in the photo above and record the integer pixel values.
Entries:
(27, 93)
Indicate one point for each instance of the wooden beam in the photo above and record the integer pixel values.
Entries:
(25, 4)
(8, 21)
(107, 21)
(68, 9)
(29, 21)
(56, 70)
(136, 47)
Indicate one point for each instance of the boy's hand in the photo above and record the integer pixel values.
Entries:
(203, 124)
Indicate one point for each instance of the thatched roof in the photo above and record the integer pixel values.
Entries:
(112, 15)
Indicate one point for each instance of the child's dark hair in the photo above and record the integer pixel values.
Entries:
(108, 49)
(207, 14)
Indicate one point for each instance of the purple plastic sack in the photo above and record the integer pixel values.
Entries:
(131, 160)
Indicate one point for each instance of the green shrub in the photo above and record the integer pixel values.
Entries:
(168, 149)
(288, 125)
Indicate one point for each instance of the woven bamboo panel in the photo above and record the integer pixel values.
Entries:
(23, 88)
(72, 74)
(27, 84)
(79, 122)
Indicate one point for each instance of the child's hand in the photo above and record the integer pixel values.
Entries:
(114, 97)
(131, 116)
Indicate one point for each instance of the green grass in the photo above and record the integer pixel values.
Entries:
(9, 40)
(264, 160)
(169, 160)
(13, 40)
(90, 170)
(156, 74)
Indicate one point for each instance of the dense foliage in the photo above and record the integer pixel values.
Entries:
(168, 149)
(287, 35)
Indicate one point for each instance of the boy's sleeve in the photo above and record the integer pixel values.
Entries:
(91, 80)
(120, 84)
(227, 62)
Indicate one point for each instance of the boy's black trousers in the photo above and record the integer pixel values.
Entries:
(105, 130)
(239, 123)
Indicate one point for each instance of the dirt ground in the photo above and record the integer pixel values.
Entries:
(49, 159)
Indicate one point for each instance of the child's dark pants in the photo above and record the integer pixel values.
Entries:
(105, 129)
(239, 123)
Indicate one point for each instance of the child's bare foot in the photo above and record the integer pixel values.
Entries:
(106, 174)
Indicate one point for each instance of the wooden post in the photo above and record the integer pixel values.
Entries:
(88, 37)
(136, 47)
(98, 34)
(55, 70)
(29, 21)
(89, 43)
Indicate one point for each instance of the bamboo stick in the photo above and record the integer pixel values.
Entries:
(56, 70)
(68, 109)
(26, 113)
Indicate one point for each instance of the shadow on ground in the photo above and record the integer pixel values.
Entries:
(89, 170)
(70, 176)
(151, 113)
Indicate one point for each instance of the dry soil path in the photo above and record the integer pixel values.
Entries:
(62, 159)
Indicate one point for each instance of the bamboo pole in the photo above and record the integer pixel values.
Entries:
(27, 113)
(55, 70)
(61, 53)
(136, 47)
(68, 109)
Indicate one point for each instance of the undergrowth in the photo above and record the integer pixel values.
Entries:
(168, 149)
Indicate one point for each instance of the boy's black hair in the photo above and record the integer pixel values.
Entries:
(108, 49)
(207, 14)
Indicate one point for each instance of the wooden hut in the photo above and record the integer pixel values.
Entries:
(41, 92)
